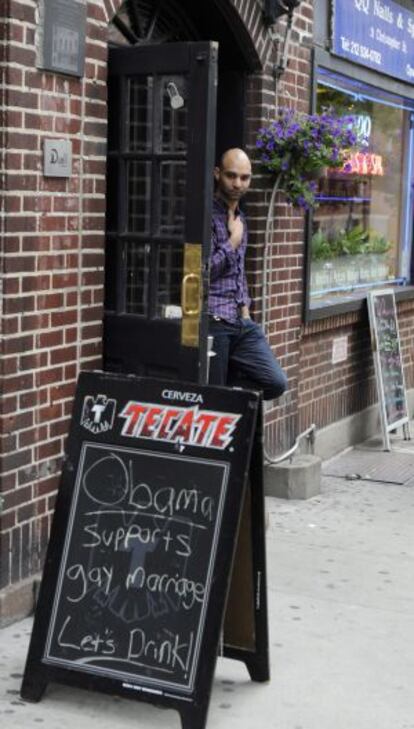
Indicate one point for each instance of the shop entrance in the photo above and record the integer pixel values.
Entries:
(174, 107)
(161, 152)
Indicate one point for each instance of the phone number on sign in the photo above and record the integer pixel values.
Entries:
(361, 51)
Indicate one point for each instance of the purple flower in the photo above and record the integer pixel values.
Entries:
(295, 142)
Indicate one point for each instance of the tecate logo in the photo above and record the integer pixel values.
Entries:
(180, 425)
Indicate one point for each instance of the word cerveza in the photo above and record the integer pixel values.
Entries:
(190, 426)
(193, 397)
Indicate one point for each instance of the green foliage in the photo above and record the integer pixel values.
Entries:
(350, 242)
(377, 243)
(353, 241)
(321, 247)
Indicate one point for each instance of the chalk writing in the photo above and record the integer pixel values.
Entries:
(137, 567)
(390, 357)
(388, 363)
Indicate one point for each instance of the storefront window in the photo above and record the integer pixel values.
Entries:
(361, 231)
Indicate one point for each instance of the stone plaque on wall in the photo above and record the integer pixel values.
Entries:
(61, 36)
(57, 158)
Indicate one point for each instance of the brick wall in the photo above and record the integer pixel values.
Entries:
(330, 392)
(285, 251)
(52, 272)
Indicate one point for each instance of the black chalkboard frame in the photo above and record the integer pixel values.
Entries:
(191, 704)
(389, 373)
(252, 647)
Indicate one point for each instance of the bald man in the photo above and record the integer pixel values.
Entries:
(242, 354)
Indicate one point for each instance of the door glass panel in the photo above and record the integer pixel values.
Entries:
(137, 278)
(140, 114)
(139, 196)
(170, 274)
(173, 189)
(174, 115)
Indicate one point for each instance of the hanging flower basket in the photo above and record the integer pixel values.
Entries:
(301, 147)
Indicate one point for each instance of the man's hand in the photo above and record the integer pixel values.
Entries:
(235, 226)
(244, 312)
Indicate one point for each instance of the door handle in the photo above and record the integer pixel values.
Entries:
(190, 295)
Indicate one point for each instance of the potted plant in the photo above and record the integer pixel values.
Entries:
(298, 148)
(355, 256)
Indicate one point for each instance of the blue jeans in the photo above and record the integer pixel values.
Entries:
(244, 358)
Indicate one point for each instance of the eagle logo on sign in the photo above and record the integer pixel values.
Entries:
(98, 413)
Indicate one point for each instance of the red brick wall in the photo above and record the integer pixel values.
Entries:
(286, 248)
(52, 269)
(329, 392)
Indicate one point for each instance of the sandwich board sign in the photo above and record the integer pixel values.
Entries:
(139, 560)
(388, 363)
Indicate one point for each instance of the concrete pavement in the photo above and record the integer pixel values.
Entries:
(341, 597)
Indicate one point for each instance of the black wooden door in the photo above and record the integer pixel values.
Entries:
(162, 108)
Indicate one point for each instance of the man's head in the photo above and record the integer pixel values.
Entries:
(233, 176)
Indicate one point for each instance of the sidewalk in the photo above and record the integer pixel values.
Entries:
(341, 596)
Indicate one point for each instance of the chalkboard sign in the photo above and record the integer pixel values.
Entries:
(139, 560)
(388, 362)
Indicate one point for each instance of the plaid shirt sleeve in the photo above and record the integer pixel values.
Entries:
(223, 255)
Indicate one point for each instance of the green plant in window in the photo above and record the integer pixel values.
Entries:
(321, 247)
(377, 243)
(353, 241)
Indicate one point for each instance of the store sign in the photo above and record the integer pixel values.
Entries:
(375, 33)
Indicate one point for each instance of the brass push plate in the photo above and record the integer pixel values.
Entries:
(191, 295)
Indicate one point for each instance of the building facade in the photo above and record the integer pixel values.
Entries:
(68, 269)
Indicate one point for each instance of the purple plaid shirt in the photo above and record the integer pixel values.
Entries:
(228, 285)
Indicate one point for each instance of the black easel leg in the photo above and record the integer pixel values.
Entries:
(258, 669)
(194, 718)
(32, 690)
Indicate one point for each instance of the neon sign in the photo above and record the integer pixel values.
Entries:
(364, 163)
(363, 124)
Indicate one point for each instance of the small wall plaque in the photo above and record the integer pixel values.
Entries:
(57, 158)
(61, 36)
(340, 350)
